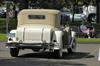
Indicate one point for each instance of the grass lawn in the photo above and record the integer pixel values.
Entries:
(91, 40)
(3, 37)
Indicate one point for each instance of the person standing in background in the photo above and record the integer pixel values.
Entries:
(91, 8)
(85, 9)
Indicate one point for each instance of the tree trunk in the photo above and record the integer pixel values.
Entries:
(98, 11)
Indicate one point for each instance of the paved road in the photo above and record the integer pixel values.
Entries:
(86, 55)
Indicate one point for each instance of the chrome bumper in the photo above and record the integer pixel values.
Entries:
(28, 45)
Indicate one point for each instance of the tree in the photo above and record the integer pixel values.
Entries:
(49, 3)
(1, 2)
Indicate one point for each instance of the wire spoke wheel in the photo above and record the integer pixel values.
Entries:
(58, 53)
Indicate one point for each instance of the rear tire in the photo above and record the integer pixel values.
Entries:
(58, 53)
(69, 50)
(72, 49)
(14, 52)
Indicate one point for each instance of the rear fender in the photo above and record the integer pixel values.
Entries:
(57, 39)
(12, 36)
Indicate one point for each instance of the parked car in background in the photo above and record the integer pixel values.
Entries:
(2, 12)
(78, 15)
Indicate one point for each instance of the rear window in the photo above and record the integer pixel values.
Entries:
(36, 16)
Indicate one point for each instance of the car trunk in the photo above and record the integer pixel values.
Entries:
(34, 34)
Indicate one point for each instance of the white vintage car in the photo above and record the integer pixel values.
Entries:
(40, 30)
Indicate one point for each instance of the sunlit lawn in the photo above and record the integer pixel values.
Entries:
(94, 40)
(3, 37)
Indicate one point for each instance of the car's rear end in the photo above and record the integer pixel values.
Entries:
(33, 36)
(34, 31)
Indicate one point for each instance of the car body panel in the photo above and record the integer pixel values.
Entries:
(34, 33)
